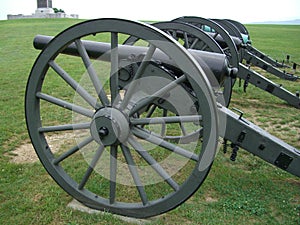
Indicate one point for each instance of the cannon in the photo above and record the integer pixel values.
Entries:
(194, 38)
(236, 29)
(235, 51)
(136, 118)
(247, 52)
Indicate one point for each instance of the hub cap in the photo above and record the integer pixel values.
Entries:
(109, 126)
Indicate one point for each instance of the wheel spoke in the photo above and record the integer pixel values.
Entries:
(134, 173)
(76, 86)
(114, 58)
(226, 50)
(137, 75)
(186, 40)
(163, 125)
(151, 111)
(92, 73)
(91, 167)
(184, 133)
(161, 142)
(174, 34)
(153, 163)
(146, 101)
(113, 173)
(196, 40)
(168, 32)
(65, 104)
(165, 120)
(203, 47)
(65, 127)
(215, 35)
(171, 33)
(72, 150)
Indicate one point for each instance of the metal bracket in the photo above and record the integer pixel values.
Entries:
(283, 161)
(241, 137)
(270, 88)
(241, 115)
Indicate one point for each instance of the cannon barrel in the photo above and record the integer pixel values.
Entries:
(209, 61)
(223, 43)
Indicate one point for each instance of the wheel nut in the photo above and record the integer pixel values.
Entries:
(103, 131)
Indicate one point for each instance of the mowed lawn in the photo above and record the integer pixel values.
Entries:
(248, 191)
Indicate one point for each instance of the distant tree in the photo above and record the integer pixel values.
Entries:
(56, 10)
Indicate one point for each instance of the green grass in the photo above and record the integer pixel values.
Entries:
(276, 40)
(248, 191)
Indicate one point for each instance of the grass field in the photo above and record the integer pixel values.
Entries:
(248, 191)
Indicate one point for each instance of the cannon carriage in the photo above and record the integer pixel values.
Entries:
(144, 114)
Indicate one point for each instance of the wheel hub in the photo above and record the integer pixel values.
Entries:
(109, 126)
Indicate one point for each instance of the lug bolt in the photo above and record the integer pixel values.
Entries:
(103, 131)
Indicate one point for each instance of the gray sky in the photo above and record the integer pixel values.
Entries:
(241, 10)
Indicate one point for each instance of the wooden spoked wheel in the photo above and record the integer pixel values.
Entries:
(88, 123)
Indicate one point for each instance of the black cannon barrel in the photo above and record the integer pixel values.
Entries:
(210, 62)
(219, 39)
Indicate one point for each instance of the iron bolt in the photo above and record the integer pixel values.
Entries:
(103, 131)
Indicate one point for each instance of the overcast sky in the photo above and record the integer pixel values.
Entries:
(245, 11)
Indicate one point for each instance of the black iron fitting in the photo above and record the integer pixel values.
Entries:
(246, 83)
(241, 137)
(225, 144)
(235, 149)
(241, 115)
(235, 146)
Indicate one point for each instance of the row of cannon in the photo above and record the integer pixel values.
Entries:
(142, 108)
